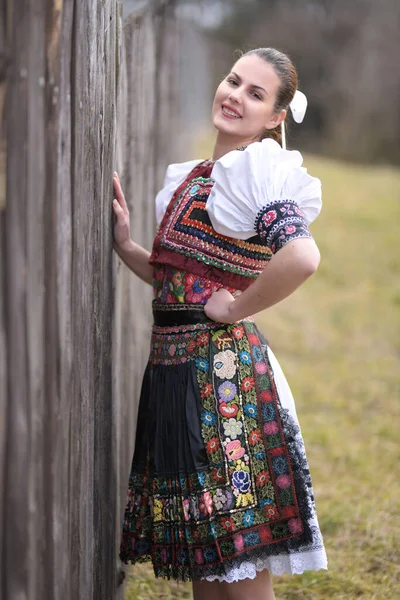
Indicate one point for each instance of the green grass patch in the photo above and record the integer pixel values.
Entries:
(338, 341)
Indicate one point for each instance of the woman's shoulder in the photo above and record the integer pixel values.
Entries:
(247, 182)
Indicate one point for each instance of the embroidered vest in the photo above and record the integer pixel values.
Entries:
(187, 240)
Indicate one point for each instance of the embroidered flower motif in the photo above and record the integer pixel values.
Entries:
(261, 368)
(210, 554)
(227, 391)
(225, 364)
(200, 476)
(241, 480)
(205, 504)
(234, 450)
(198, 556)
(228, 410)
(228, 524)
(268, 218)
(271, 428)
(237, 333)
(262, 478)
(268, 411)
(239, 543)
(248, 518)
(280, 465)
(213, 445)
(157, 509)
(233, 428)
(298, 211)
(208, 418)
(244, 499)
(271, 512)
(247, 384)
(219, 499)
(283, 481)
(266, 396)
(217, 475)
(197, 291)
(265, 534)
(251, 410)
(186, 507)
(202, 339)
(295, 526)
(202, 364)
(206, 390)
(244, 357)
(257, 353)
(289, 229)
(191, 347)
(254, 436)
(251, 539)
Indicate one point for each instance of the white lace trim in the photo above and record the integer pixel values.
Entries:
(297, 563)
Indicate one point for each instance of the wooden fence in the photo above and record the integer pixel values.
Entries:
(73, 321)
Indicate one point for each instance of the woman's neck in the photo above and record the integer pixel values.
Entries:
(224, 144)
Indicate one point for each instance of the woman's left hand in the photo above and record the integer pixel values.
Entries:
(219, 305)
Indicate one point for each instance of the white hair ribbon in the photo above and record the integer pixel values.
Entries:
(298, 106)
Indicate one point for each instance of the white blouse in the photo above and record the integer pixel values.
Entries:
(246, 182)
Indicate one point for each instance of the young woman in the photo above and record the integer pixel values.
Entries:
(219, 491)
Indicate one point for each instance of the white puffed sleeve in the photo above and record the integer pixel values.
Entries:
(174, 176)
(247, 183)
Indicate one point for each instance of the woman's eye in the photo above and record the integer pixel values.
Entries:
(233, 81)
(255, 95)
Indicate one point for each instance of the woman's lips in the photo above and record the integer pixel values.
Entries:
(230, 113)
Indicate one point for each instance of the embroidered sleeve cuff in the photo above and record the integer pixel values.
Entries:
(279, 223)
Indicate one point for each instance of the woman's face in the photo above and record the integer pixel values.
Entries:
(244, 101)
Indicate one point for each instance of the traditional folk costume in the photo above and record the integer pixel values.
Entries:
(220, 486)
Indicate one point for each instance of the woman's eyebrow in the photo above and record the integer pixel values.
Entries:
(258, 87)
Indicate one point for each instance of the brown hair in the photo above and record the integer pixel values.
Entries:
(287, 73)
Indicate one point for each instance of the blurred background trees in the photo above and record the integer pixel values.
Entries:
(347, 56)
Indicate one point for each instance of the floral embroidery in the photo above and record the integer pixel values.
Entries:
(245, 499)
(225, 364)
(227, 391)
(279, 223)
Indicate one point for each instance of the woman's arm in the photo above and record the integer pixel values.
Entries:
(134, 256)
(286, 271)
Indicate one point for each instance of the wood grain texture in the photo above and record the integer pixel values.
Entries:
(82, 97)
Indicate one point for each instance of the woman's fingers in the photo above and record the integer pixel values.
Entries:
(119, 193)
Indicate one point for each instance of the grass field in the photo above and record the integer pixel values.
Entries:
(338, 341)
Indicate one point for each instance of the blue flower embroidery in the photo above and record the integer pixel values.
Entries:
(251, 539)
(268, 411)
(202, 478)
(209, 554)
(259, 455)
(258, 355)
(250, 410)
(280, 465)
(248, 518)
(245, 358)
(202, 364)
(208, 418)
(194, 190)
(241, 481)
(265, 501)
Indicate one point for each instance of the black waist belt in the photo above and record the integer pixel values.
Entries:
(170, 315)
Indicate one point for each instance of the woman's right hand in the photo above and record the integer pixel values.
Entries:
(121, 231)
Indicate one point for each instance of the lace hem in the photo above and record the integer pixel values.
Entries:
(292, 564)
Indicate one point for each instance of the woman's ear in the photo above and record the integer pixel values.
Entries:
(276, 119)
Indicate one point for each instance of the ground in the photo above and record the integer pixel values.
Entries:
(338, 341)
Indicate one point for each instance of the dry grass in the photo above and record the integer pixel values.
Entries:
(338, 340)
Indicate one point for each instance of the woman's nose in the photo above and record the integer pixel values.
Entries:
(234, 96)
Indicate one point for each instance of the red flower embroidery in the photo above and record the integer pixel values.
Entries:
(217, 475)
(202, 340)
(262, 478)
(298, 211)
(290, 229)
(206, 390)
(266, 396)
(237, 333)
(247, 384)
(254, 436)
(228, 524)
(268, 218)
(265, 534)
(271, 511)
(253, 339)
(191, 347)
(213, 445)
